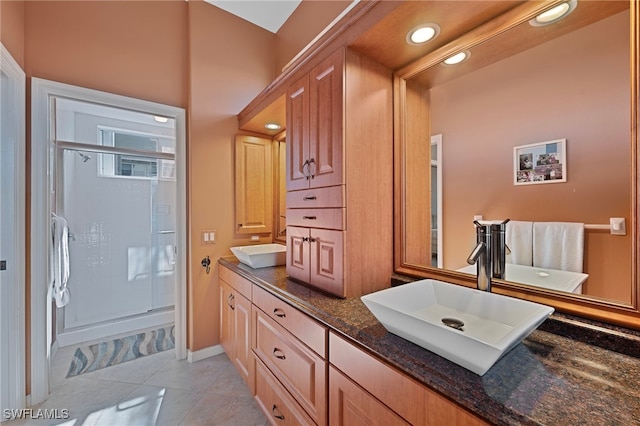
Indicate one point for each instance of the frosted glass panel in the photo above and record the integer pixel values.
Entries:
(118, 197)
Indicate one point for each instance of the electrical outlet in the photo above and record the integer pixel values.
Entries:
(255, 238)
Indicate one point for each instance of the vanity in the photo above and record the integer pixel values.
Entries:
(568, 371)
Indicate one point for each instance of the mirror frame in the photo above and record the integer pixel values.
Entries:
(579, 305)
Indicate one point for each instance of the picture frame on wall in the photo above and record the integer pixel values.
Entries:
(538, 163)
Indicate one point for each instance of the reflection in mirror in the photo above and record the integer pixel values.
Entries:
(571, 83)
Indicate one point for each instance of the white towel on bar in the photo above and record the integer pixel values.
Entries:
(60, 260)
(519, 239)
(558, 245)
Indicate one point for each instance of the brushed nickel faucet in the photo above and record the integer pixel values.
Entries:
(490, 253)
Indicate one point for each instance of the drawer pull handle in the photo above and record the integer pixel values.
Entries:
(304, 170)
(312, 173)
(230, 299)
(310, 198)
(275, 410)
(309, 217)
(279, 313)
(278, 353)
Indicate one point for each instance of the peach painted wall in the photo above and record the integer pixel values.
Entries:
(304, 24)
(131, 48)
(12, 28)
(231, 62)
(585, 99)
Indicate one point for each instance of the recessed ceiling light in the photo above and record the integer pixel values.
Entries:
(457, 58)
(422, 34)
(554, 14)
(273, 126)
(160, 119)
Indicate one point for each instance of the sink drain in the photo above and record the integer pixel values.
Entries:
(453, 323)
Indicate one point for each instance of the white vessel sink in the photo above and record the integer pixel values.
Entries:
(492, 324)
(552, 279)
(261, 255)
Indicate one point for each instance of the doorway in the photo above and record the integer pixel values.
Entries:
(12, 229)
(110, 178)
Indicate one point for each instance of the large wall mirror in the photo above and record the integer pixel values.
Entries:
(573, 81)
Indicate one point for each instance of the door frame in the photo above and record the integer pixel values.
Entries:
(13, 307)
(42, 157)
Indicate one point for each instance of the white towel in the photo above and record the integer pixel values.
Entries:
(519, 239)
(558, 245)
(60, 260)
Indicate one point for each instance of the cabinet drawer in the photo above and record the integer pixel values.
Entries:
(331, 196)
(279, 407)
(301, 371)
(240, 284)
(413, 401)
(317, 218)
(300, 325)
(352, 405)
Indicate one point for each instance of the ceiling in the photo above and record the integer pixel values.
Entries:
(268, 14)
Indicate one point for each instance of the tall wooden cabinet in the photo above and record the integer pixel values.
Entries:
(340, 175)
(254, 185)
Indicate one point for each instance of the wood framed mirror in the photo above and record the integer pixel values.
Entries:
(575, 80)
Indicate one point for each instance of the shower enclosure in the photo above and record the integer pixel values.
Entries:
(115, 185)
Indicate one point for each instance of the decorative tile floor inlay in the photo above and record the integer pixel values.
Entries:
(105, 354)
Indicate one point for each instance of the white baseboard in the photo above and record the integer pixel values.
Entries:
(204, 353)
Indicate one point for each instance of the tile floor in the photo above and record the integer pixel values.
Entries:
(152, 390)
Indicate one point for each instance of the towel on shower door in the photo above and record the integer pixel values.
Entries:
(519, 239)
(60, 259)
(558, 245)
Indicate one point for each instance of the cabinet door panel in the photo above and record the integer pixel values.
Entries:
(298, 135)
(254, 185)
(326, 122)
(298, 253)
(226, 318)
(242, 356)
(327, 256)
(352, 406)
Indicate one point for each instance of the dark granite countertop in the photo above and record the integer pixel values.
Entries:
(568, 371)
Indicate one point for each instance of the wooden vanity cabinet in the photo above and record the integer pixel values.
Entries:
(363, 388)
(235, 322)
(340, 175)
(280, 352)
(293, 349)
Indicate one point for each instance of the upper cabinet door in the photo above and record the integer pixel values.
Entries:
(326, 104)
(254, 185)
(298, 135)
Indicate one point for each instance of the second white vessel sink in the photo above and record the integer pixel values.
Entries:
(469, 327)
(261, 255)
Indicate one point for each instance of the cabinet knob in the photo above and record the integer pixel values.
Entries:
(309, 217)
(279, 313)
(309, 198)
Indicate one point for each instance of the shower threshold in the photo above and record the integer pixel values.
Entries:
(113, 328)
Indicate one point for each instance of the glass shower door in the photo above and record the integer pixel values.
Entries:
(116, 188)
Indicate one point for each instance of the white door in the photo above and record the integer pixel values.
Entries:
(12, 235)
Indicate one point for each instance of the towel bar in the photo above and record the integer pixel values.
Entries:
(617, 225)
